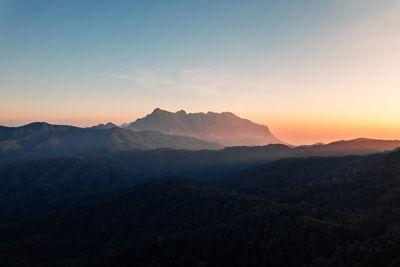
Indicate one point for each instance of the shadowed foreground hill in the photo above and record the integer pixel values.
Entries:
(46, 184)
(168, 222)
(341, 211)
(42, 140)
(295, 180)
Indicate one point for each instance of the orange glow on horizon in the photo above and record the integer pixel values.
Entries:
(296, 130)
(312, 130)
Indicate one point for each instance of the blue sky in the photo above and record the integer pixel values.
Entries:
(81, 36)
(84, 62)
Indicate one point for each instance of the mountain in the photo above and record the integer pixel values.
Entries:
(108, 125)
(356, 146)
(224, 128)
(43, 140)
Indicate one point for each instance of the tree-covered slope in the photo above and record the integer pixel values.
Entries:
(341, 211)
(180, 222)
(42, 140)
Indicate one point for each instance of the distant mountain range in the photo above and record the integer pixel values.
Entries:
(359, 146)
(224, 128)
(163, 129)
(43, 140)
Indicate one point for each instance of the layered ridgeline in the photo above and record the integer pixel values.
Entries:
(224, 128)
(359, 146)
(42, 140)
(63, 180)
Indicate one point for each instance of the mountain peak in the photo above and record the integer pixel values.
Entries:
(225, 128)
(108, 125)
(158, 110)
(36, 124)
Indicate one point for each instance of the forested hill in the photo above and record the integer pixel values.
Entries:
(341, 211)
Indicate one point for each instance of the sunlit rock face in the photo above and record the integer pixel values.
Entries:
(224, 128)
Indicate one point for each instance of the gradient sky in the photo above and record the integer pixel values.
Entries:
(310, 70)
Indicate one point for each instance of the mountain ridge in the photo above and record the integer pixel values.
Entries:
(42, 140)
(108, 125)
(224, 128)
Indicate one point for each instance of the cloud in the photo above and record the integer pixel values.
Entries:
(123, 77)
(200, 81)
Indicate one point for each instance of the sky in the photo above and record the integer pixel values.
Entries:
(311, 70)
